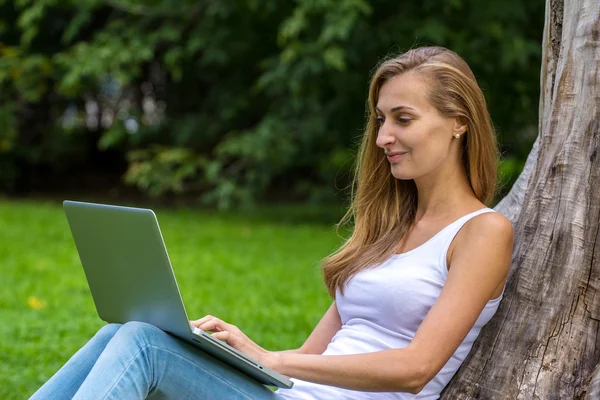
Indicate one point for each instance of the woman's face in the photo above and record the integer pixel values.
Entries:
(415, 137)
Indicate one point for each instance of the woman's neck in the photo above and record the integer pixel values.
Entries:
(444, 195)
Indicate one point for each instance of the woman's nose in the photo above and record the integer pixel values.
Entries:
(384, 137)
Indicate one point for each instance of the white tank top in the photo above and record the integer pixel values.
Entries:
(383, 307)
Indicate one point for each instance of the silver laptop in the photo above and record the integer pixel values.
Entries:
(131, 279)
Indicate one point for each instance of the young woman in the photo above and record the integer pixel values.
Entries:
(423, 271)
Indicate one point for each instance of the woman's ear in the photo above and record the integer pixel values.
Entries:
(460, 126)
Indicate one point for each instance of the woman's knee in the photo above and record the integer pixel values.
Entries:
(139, 331)
(107, 332)
(137, 336)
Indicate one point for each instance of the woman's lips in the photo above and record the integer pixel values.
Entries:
(395, 156)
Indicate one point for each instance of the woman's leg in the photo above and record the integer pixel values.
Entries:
(67, 380)
(142, 361)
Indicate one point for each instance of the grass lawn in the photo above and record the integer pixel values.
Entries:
(258, 270)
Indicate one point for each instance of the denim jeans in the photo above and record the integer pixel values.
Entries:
(139, 361)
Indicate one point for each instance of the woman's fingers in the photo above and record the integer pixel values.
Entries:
(213, 324)
(227, 337)
(231, 335)
(209, 319)
(202, 320)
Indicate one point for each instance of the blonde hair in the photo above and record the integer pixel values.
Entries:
(383, 207)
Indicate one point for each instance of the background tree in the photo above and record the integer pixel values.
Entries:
(544, 343)
(232, 100)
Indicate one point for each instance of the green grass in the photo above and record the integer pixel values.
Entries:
(258, 270)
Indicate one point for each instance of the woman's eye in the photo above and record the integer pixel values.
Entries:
(404, 121)
(380, 120)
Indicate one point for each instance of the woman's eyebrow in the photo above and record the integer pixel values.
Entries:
(397, 108)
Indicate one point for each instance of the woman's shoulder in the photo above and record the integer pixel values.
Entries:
(488, 235)
(490, 218)
(486, 226)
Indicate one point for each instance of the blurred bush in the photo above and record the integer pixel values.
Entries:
(234, 100)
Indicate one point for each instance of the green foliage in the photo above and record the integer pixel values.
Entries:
(158, 170)
(508, 172)
(228, 264)
(245, 97)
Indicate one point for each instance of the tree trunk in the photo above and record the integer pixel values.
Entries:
(544, 342)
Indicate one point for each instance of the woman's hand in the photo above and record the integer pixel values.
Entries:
(234, 337)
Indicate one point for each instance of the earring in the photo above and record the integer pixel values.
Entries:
(457, 136)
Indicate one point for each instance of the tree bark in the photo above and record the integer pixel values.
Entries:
(543, 342)
(594, 387)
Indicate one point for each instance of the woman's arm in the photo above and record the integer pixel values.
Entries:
(316, 343)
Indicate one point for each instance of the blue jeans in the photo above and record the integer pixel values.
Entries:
(139, 361)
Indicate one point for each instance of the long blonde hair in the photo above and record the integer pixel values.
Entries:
(383, 208)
